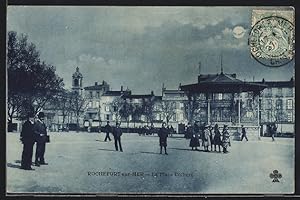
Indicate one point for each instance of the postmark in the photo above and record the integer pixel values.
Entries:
(272, 41)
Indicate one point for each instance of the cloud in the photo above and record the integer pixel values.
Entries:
(139, 47)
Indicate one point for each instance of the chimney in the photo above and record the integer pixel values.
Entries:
(121, 88)
(263, 80)
(152, 93)
(96, 83)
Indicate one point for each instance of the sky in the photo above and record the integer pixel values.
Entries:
(143, 47)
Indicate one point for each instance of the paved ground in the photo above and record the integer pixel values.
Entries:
(76, 160)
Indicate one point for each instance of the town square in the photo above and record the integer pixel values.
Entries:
(106, 100)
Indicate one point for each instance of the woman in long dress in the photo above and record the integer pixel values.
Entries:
(206, 139)
(225, 139)
(194, 142)
(217, 138)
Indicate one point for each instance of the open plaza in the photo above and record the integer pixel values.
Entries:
(83, 163)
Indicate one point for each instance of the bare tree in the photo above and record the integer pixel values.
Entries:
(78, 105)
(117, 105)
(191, 108)
(168, 109)
(148, 105)
(126, 111)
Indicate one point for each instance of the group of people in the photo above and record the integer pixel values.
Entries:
(150, 130)
(209, 136)
(33, 131)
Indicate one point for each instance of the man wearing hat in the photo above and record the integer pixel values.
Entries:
(41, 139)
(117, 132)
(107, 130)
(28, 138)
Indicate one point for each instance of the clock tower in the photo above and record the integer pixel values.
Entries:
(77, 82)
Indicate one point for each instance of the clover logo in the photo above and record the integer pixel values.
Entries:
(275, 176)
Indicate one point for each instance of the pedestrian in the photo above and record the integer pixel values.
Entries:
(211, 137)
(206, 138)
(163, 135)
(244, 133)
(28, 139)
(107, 129)
(40, 131)
(194, 142)
(201, 136)
(217, 138)
(225, 139)
(152, 129)
(273, 131)
(117, 132)
(172, 131)
(140, 130)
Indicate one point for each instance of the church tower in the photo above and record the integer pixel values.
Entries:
(77, 82)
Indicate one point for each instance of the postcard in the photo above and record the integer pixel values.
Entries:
(150, 100)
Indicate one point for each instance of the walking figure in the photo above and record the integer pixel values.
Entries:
(225, 139)
(194, 142)
(28, 139)
(117, 132)
(40, 131)
(217, 138)
(107, 131)
(163, 135)
(244, 133)
(273, 131)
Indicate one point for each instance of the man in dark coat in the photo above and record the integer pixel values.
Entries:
(163, 134)
(40, 132)
(117, 132)
(244, 133)
(107, 130)
(28, 138)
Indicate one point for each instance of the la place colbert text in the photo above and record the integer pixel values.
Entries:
(137, 174)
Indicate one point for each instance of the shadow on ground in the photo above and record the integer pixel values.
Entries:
(13, 166)
(149, 152)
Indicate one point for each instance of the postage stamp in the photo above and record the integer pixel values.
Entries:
(272, 37)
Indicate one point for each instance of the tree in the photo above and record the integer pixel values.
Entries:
(148, 109)
(78, 105)
(168, 110)
(31, 82)
(191, 107)
(137, 111)
(63, 102)
(117, 105)
(126, 111)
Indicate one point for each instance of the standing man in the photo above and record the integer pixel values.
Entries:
(28, 138)
(244, 133)
(117, 132)
(163, 134)
(41, 139)
(107, 130)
